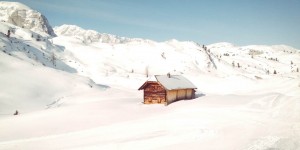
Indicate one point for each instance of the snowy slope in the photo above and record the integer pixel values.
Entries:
(27, 87)
(27, 81)
(23, 16)
(129, 56)
(115, 119)
(32, 47)
(259, 59)
(137, 56)
(79, 91)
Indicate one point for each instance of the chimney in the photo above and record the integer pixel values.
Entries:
(169, 75)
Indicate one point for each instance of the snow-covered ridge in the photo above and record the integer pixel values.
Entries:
(31, 47)
(121, 55)
(23, 16)
(221, 45)
(88, 36)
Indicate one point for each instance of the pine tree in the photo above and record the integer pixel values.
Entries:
(53, 59)
(8, 33)
(16, 113)
(38, 38)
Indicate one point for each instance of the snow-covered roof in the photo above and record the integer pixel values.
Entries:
(174, 82)
(152, 78)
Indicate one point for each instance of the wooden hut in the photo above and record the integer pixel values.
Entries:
(165, 89)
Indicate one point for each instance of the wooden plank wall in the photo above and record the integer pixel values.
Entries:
(171, 96)
(190, 94)
(175, 95)
(154, 93)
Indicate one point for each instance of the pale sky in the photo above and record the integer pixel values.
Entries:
(241, 22)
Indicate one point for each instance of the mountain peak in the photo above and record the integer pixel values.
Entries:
(71, 30)
(23, 16)
(88, 36)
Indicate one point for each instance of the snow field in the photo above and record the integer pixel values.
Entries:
(88, 99)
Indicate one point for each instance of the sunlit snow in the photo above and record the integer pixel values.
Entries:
(79, 90)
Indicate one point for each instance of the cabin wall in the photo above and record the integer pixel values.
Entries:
(190, 94)
(181, 94)
(175, 95)
(171, 96)
(154, 93)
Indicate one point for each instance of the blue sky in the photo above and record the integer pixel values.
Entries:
(241, 22)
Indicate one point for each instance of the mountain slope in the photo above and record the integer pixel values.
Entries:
(259, 59)
(33, 47)
(22, 16)
(27, 87)
(133, 58)
(138, 55)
